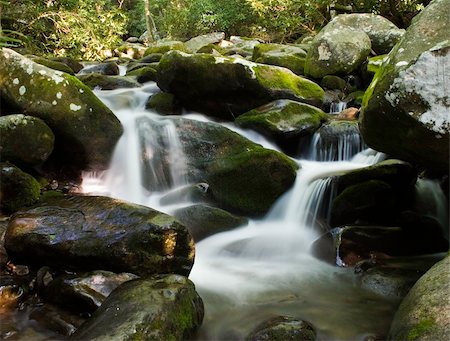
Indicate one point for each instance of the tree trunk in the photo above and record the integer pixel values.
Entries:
(150, 23)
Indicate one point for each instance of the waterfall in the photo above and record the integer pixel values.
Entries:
(337, 107)
(265, 268)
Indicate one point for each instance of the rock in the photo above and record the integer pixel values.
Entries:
(3, 254)
(85, 129)
(336, 50)
(374, 63)
(288, 56)
(285, 121)
(243, 46)
(383, 33)
(187, 194)
(163, 46)
(243, 177)
(53, 64)
(203, 221)
(84, 292)
(107, 69)
(283, 328)
(196, 43)
(336, 140)
(156, 308)
(350, 114)
(92, 233)
(103, 82)
(143, 74)
(164, 104)
(130, 50)
(424, 314)
(17, 188)
(227, 86)
(70, 62)
(333, 83)
(405, 109)
(25, 139)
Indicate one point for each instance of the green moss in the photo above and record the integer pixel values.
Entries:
(165, 46)
(420, 329)
(55, 65)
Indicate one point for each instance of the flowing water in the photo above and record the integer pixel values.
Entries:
(263, 269)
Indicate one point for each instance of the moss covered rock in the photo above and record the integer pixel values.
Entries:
(203, 220)
(107, 68)
(283, 120)
(17, 188)
(53, 64)
(288, 56)
(164, 103)
(282, 328)
(25, 139)
(405, 109)
(92, 233)
(424, 314)
(227, 86)
(70, 62)
(163, 46)
(337, 50)
(196, 43)
(143, 74)
(86, 131)
(104, 82)
(155, 308)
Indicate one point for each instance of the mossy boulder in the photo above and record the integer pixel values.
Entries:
(155, 308)
(284, 121)
(424, 314)
(333, 83)
(104, 82)
(53, 64)
(86, 131)
(143, 74)
(203, 220)
(337, 50)
(383, 33)
(228, 87)
(243, 177)
(70, 62)
(163, 46)
(92, 233)
(288, 56)
(238, 45)
(17, 188)
(405, 109)
(25, 139)
(196, 43)
(107, 68)
(282, 328)
(164, 103)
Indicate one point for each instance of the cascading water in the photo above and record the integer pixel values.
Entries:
(260, 270)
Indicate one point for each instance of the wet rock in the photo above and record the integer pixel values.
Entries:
(17, 188)
(242, 176)
(84, 292)
(91, 233)
(25, 140)
(196, 43)
(107, 69)
(85, 129)
(156, 308)
(70, 62)
(143, 74)
(350, 114)
(164, 103)
(227, 87)
(3, 255)
(424, 314)
(189, 193)
(337, 50)
(98, 81)
(405, 109)
(163, 46)
(284, 121)
(203, 221)
(53, 64)
(291, 57)
(283, 328)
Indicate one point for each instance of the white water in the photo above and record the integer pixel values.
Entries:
(265, 268)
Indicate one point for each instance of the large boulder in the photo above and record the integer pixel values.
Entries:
(405, 109)
(91, 233)
(337, 50)
(424, 314)
(227, 86)
(17, 188)
(383, 33)
(156, 308)
(163, 46)
(25, 139)
(288, 56)
(196, 43)
(86, 131)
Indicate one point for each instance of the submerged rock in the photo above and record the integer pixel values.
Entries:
(17, 188)
(85, 129)
(405, 109)
(203, 221)
(283, 328)
(91, 233)
(227, 87)
(25, 139)
(424, 314)
(155, 308)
